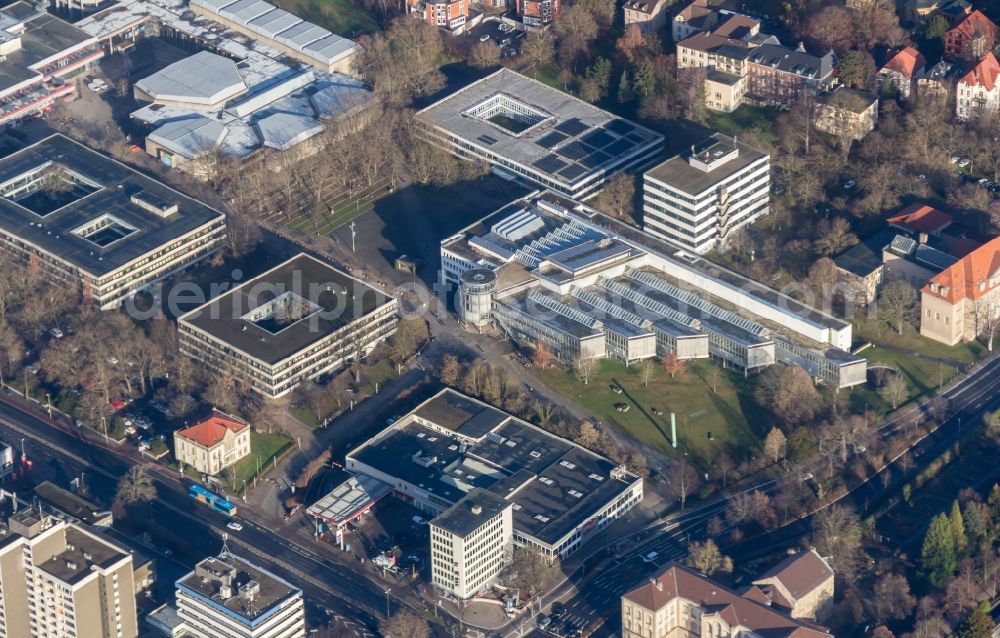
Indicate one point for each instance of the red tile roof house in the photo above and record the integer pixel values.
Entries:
(920, 218)
(801, 585)
(963, 301)
(978, 90)
(971, 38)
(213, 444)
(679, 601)
(901, 72)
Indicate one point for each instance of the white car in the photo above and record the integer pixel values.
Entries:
(233, 525)
(57, 333)
(849, 184)
(650, 557)
(485, 38)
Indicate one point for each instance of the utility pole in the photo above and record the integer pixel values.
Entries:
(352, 236)
(48, 404)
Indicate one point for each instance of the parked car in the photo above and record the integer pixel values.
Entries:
(233, 525)
(849, 184)
(543, 621)
(485, 37)
(57, 333)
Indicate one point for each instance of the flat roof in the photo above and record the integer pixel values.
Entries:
(348, 500)
(282, 131)
(554, 485)
(865, 257)
(568, 140)
(470, 512)
(44, 36)
(88, 551)
(677, 172)
(337, 297)
(117, 183)
(272, 592)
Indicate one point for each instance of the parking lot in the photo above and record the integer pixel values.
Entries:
(500, 33)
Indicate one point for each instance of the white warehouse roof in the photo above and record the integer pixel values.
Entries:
(190, 137)
(282, 131)
(203, 78)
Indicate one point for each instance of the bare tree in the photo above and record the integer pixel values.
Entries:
(774, 444)
(584, 367)
(687, 480)
(707, 559)
(405, 624)
(789, 392)
(484, 55)
(618, 194)
(895, 389)
(897, 303)
(891, 598)
(134, 488)
(645, 371)
(450, 370)
(538, 48)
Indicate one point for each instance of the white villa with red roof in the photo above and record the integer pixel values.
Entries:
(978, 90)
(213, 444)
(963, 301)
(902, 71)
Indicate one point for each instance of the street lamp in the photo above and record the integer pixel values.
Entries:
(387, 590)
(48, 404)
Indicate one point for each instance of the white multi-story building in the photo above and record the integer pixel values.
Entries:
(470, 543)
(105, 230)
(61, 581)
(229, 597)
(978, 91)
(699, 198)
(293, 323)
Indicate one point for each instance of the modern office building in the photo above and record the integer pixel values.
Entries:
(452, 447)
(291, 324)
(106, 230)
(524, 128)
(62, 581)
(471, 542)
(229, 597)
(699, 198)
(212, 445)
(39, 56)
(587, 286)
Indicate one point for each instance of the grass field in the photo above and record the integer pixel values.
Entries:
(325, 218)
(263, 447)
(743, 118)
(735, 420)
(343, 17)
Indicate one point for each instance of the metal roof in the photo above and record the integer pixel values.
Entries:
(340, 95)
(330, 49)
(190, 137)
(244, 11)
(301, 34)
(203, 78)
(274, 22)
(284, 130)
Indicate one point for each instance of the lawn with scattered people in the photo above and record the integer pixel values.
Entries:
(709, 421)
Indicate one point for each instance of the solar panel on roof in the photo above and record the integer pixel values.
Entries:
(550, 140)
(618, 148)
(572, 126)
(486, 139)
(572, 171)
(594, 160)
(575, 150)
(619, 126)
(598, 138)
(550, 163)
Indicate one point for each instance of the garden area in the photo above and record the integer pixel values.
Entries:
(263, 448)
(715, 409)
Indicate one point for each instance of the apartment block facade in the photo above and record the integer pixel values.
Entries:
(229, 597)
(972, 38)
(293, 323)
(536, 13)
(978, 91)
(470, 543)
(699, 199)
(448, 16)
(61, 581)
(213, 444)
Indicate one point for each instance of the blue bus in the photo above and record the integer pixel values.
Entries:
(215, 501)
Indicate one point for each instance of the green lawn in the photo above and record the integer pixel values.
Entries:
(263, 447)
(743, 118)
(343, 17)
(735, 420)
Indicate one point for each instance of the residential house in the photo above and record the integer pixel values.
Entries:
(649, 15)
(920, 218)
(707, 50)
(447, 15)
(937, 81)
(724, 91)
(971, 38)
(860, 270)
(681, 602)
(847, 113)
(979, 91)
(778, 76)
(901, 72)
(697, 17)
(213, 444)
(536, 13)
(801, 585)
(963, 301)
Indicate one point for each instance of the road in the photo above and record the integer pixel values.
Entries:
(333, 589)
(593, 601)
